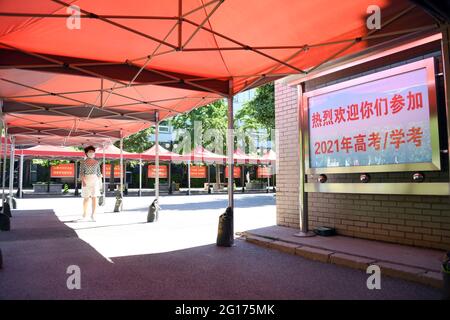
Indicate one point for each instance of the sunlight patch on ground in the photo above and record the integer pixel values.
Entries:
(184, 222)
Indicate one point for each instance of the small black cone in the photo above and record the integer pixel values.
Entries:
(225, 236)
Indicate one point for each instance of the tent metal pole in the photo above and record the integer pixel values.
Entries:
(5, 147)
(125, 175)
(140, 178)
(230, 149)
(189, 177)
(21, 177)
(157, 156)
(104, 173)
(11, 170)
(302, 195)
(121, 166)
(76, 178)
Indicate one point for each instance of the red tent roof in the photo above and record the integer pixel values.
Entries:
(112, 152)
(50, 76)
(50, 151)
(200, 154)
(164, 155)
(241, 157)
(270, 156)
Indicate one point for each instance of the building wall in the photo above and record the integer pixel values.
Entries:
(422, 221)
(286, 122)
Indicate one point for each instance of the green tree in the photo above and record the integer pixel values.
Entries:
(212, 120)
(259, 113)
(137, 142)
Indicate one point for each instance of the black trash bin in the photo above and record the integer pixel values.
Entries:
(5, 223)
(225, 236)
(7, 209)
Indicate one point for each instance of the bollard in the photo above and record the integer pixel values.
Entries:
(7, 209)
(153, 211)
(118, 205)
(13, 201)
(5, 222)
(225, 236)
(446, 277)
(101, 201)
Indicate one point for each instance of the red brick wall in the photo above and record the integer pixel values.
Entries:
(414, 220)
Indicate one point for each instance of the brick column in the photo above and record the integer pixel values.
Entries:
(286, 122)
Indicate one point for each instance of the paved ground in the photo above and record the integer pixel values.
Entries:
(122, 257)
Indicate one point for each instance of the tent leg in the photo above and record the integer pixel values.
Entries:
(170, 177)
(230, 150)
(140, 178)
(225, 236)
(125, 178)
(104, 174)
(76, 179)
(20, 191)
(4, 165)
(303, 196)
(11, 172)
(157, 157)
(121, 167)
(189, 178)
(243, 178)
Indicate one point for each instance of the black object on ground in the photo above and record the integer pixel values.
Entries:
(118, 205)
(325, 231)
(5, 223)
(153, 211)
(101, 200)
(225, 236)
(7, 209)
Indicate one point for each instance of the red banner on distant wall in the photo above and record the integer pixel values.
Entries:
(116, 171)
(151, 172)
(263, 172)
(198, 172)
(62, 170)
(236, 172)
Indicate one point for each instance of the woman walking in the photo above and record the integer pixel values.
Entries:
(90, 175)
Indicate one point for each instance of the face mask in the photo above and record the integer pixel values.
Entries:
(90, 155)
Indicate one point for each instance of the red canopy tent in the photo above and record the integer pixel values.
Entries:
(112, 152)
(48, 151)
(79, 76)
(269, 156)
(241, 157)
(164, 155)
(203, 155)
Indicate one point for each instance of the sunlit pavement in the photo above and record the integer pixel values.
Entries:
(122, 257)
(184, 221)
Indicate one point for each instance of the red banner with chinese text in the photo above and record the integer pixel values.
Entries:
(263, 172)
(151, 171)
(236, 172)
(62, 170)
(198, 172)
